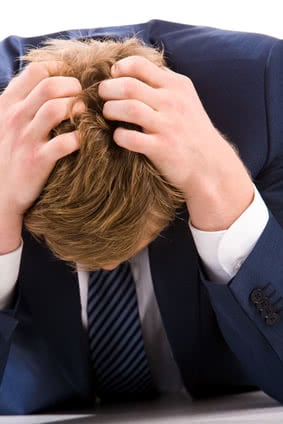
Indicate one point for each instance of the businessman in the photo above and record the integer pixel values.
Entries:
(209, 305)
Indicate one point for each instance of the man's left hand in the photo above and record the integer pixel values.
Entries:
(179, 138)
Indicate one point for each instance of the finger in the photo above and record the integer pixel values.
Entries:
(135, 141)
(60, 146)
(21, 85)
(50, 88)
(129, 88)
(51, 114)
(143, 69)
(132, 111)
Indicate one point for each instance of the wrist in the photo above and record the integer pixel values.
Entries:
(217, 198)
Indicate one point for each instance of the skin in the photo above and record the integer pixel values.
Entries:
(178, 137)
(32, 104)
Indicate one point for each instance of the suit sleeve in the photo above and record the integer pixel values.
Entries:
(250, 308)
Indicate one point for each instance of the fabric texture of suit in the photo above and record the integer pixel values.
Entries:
(221, 338)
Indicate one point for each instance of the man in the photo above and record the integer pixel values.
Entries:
(219, 328)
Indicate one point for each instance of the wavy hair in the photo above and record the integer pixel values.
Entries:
(100, 202)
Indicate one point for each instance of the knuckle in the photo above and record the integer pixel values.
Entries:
(37, 68)
(51, 109)
(132, 108)
(185, 80)
(47, 88)
(14, 116)
(134, 63)
(171, 102)
(167, 99)
(129, 87)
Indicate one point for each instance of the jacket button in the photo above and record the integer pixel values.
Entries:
(272, 318)
(267, 311)
(264, 305)
(257, 296)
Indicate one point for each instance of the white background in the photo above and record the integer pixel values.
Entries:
(38, 17)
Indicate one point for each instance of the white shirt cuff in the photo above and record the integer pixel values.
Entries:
(223, 252)
(9, 271)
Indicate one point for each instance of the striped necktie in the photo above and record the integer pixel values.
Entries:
(116, 344)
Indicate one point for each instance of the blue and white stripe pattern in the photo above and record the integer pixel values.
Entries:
(115, 336)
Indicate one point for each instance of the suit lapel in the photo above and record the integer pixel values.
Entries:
(49, 290)
(174, 269)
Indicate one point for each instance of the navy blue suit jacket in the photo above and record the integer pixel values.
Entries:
(224, 337)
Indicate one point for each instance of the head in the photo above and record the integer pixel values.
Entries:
(101, 204)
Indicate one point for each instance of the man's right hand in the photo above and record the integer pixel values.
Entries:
(31, 106)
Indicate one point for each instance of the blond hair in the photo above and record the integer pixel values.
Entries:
(102, 201)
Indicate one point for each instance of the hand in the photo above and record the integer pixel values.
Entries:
(30, 107)
(179, 138)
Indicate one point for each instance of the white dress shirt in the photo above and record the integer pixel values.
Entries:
(222, 253)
